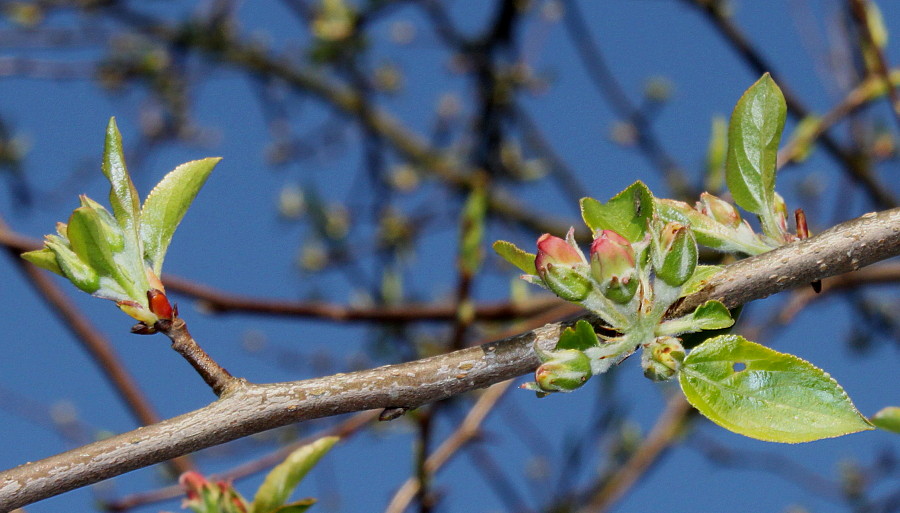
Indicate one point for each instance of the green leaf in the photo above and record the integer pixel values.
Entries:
(88, 239)
(516, 256)
(122, 195)
(581, 337)
(626, 213)
(711, 315)
(888, 419)
(282, 480)
(753, 136)
(698, 280)
(758, 392)
(44, 258)
(166, 205)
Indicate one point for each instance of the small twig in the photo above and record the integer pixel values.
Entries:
(882, 69)
(467, 430)
(219, 379)
(664, 433)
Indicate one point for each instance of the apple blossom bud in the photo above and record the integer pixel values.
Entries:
(662, 358)
(557, 264)
(676, 256)
(719, 210)
(612, 265)
(566, 370)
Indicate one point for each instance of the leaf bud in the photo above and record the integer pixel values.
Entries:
(662, 358)
(613, 266)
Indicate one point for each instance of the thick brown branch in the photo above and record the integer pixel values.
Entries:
(249, 409)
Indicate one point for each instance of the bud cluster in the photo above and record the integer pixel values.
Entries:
(204, 496)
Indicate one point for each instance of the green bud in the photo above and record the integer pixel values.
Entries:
(675, 254)
(719, 210)
(662, 358)
(563, 370)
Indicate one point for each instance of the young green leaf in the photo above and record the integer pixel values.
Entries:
(711, 315)
(753, 136)
(516, 256)
(166, 205)
(758, 392)
(698, 280)
(282, 480)
(581, 337)
(626, 213)
(44, 258)
(472, 231)
(122, 195)
(888, 419)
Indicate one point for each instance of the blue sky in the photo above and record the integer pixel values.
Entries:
(232, 238)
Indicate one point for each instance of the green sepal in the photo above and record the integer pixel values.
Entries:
(566, 282)
(626, 213)
(888, 419)
(281, 481)
(516, 256)
(760, 393)
(581, 337)
(166, 204)
(44, 258)
(122, 194)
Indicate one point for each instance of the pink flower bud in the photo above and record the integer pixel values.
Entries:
(556, 263)
(193, 484)
(613, 265)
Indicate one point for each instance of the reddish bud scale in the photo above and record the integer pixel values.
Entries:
(802, 227)
(159, 304)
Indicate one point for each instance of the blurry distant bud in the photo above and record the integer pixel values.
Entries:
(715, 154)
(658, 89)
(613, 266)
(334, 21)
(24, 14)
(662, 359)
(875, 21)
(404, 178)
(291, 202)
(403, 32)
(803, 136)
(459, 64)
(337, 222)
(63, 413)
(719, 210)
(313, 256)
(253, 341)
(853, 479)
(395, 229)
(388, 78)
(553, 11)
(624, 133)
(391, 287)
(562, 268)
(449, 106)
(562, 371)
(884, 146)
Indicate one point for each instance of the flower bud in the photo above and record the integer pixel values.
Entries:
(676, 254)
(662, 358)
(613, 266)
(719, 210)
(564, 371)
(557, 264)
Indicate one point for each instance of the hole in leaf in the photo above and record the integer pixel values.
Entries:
(739, 366)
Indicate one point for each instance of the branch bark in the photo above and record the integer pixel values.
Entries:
(252, 408)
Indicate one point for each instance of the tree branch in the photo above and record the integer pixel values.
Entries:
(250, 408)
